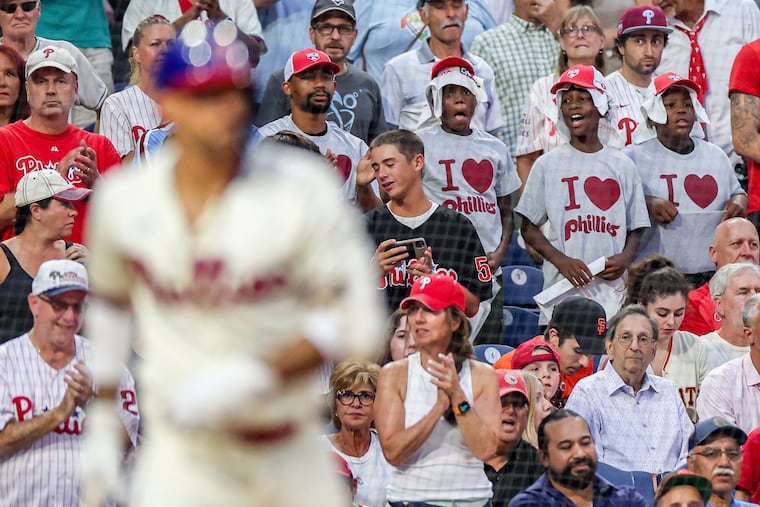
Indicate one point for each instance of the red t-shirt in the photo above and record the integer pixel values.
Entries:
(23, 149)
(749, 479)
(505, 362)
(700, 316)
(745, 78)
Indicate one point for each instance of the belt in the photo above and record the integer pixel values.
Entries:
(266, 436)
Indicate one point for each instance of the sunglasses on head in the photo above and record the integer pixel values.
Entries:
(10, 8)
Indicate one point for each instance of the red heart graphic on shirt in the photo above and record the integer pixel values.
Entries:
(603, 193)
(343, 165)
(478, 174)
(702, 191)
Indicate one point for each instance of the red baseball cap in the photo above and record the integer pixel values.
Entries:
(453, 62)
(437, 292)
(305, 60)
(665, 81)
(510, 381)
(643, 17)
(588, 78)
(534, 350)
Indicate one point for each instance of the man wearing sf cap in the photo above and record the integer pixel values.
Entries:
(715, 453)
(683, 489)
(642, 33)
(45, 215)
(46, 140)
(309, 81)
(515, 465)
(356, 104)
(577, 329)
(45, 390)
(233, 330)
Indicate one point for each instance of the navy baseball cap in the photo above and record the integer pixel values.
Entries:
(709, 427)
(207, 57)
(585, 319)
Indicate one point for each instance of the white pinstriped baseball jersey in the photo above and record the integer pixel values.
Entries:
(279, 243)
(48, 472)
(467, 174)
(626, 99)
(348, 148)
(730, 25)
(538, 131)
(126, 116)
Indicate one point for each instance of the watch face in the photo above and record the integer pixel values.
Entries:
(463, 407)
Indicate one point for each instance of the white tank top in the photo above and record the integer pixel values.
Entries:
(443, 468)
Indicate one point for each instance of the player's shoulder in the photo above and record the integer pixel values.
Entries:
(346, 137)
(275, 126)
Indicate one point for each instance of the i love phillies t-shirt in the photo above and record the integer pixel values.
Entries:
(591, 201)
(467, 174)
(23, 150)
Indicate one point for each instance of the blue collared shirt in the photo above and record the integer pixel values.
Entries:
(648, 430)
(543, 493)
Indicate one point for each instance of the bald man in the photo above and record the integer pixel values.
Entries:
(736, 240)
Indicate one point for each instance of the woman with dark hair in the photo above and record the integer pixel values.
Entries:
(400, 342)
(438, 410)
(581, 38)
(352, 398)
(681, 357)
(13, 103)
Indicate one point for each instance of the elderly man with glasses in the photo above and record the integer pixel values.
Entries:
(715, 453)
(637, 419)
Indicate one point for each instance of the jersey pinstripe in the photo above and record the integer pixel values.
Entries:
(626, 99)
(126, 116)
(47, 472)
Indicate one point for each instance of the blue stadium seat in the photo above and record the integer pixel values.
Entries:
(521, 283)
(489, 353)
(520, 324)
(516, 253)
(643, 482)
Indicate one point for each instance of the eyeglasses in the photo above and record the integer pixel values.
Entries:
(346, 397)
(713, 453)
(60, 306)
(325, 29)
(10, 8)
(575, 31)
(644, 340)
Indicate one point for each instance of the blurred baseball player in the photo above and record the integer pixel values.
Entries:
(45, 384)
(235, 310)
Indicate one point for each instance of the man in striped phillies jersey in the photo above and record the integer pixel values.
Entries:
(45, 387)
(642, 33)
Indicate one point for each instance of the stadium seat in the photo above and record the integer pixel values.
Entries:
(643, 482)
(489, 353)
(521, 283)
(516, 253)
(520, 324)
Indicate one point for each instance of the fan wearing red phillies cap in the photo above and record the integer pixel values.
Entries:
(541, 359)
(642, 33)
(437, 411)
(589, 193)
(309, 82)
(515, 466)
(683, 176)
(469, 170)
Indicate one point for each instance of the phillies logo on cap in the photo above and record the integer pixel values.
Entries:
(48, 51)
(465, 71)
(510, 379)
(338, 2)
(312, 56)
(573, 73)
(674, 77)
(649, 14)
(424, 282)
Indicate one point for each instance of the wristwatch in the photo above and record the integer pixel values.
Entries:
(462, 408)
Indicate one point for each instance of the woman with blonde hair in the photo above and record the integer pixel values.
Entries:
(352, 398)
(128, 114)
(538, 408)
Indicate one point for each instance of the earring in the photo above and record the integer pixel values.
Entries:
(601, 51)
(564, 53)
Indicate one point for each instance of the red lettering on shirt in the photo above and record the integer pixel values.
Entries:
(592, 223)
(627, 125)
(23, 406)
(450, 187)
(571, 191)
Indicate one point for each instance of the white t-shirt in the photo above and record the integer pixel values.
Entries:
(467, 174)
(591, 201)
(348, 149)
(721, 351)
(371, 472)
(696, 182)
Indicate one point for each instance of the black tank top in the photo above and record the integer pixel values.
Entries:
(15, 315)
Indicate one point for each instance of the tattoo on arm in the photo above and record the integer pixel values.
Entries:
(745, 124)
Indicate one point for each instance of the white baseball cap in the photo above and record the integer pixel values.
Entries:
(51, 56)
(58, 276)
(45, 183)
